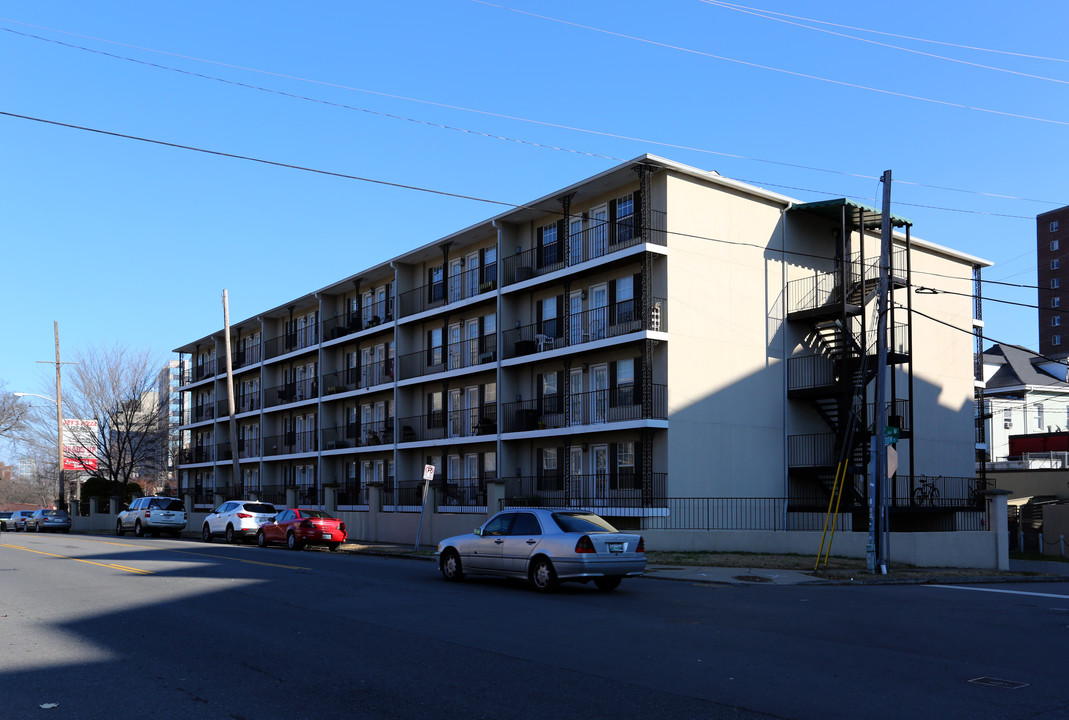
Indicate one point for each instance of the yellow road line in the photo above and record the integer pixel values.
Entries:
(124, 568)
(197, 554)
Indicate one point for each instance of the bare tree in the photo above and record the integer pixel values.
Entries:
(12, 413)
(117, 387)
(114, 389)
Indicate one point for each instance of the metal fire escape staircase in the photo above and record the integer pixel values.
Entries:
(835, 375)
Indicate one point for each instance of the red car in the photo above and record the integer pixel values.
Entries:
(297, 527)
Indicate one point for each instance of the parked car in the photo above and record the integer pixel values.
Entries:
(545, 547)
(236, 520)
(153, 515)
(5, 515)
(17, 520)
(45, 519)
(298, 527)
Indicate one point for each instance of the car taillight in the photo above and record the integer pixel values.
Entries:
(244, 515)
(341, 526)
(585, 545)
(307, 524)
(148, 514)
(641, 545)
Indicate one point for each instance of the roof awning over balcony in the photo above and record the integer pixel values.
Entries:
(856, 213)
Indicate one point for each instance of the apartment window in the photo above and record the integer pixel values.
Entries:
(489, 266)
(1056, 321)
(1056, 340)
(1053, 244)
(434, 346)
(1054, 283)
(625, 218)
(436, 283)
(547, 245)
(1054, 264)
(1037, 418)
(624, 310)
(1055, 302)
(435, 416)
(1054, 226)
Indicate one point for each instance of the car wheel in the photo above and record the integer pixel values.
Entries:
(119, 530)
(333, 547)
(230, 536)
(450, 565)
(37, 527)
(293, 543)
(206, 533)
(260, 539)
(608, 583)
(543, 576)
(138, 530)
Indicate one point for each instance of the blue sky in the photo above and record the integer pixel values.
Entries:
(129, 242)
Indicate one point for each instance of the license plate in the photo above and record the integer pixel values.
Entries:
(326, 536)
(616, 547)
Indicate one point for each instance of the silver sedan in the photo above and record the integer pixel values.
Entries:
(545, 547)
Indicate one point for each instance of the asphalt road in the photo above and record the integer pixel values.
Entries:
(157, 628)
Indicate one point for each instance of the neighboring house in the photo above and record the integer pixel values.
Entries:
(1024, 394)
(638, 342)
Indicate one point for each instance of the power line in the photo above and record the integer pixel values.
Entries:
(484, 112)
(792, 73)
(517, 206)
(761, 14)
(903, 37)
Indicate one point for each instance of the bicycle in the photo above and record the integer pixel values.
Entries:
(926, 494)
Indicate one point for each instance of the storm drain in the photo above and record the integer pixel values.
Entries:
(995, 682)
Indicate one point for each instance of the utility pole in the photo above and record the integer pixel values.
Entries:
(879, 538)
(61, 496)
(234, 449)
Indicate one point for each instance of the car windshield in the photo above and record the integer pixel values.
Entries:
(260, 508)
(581, 522)
(6, 514)
(167, 504)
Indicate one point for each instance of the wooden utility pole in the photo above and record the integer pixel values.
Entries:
(879, 538)
(234, 449)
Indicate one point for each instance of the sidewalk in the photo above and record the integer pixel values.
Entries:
(1020, 571)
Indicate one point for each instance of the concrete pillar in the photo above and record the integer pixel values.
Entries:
(187, 500)
(113, 506)
(291, 497)
(998, 520)
(374, 507)
(330, 498)
(95, 506)
(495, 495)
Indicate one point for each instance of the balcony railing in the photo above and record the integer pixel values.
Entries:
(451, 424)
(350, 322)
(356, 378)
(591, 243)
(297, 340)
(290, 443)
(587, 408)
(466, 353)
(199, 372)
(585, 491)
(198, 454)
(825, 288)
(200, 413)
(249, 355)
(352, 492)
(358, 435)
(469, 283)
(306, 389)
(242, 403)
(588, 326)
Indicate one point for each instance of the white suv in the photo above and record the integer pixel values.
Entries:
(236, 520)
(153, 515)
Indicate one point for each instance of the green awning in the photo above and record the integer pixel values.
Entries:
(856, 213)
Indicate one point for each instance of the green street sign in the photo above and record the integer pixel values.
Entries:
(890, 435)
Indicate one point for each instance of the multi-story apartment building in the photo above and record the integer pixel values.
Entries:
(1052, 234)
(654, 332)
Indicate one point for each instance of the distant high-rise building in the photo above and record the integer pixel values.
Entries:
(170, 410)
(1052, 237)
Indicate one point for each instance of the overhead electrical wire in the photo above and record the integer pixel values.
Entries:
(762, 14)
(896, 35)
(472, 110)
(793, 73)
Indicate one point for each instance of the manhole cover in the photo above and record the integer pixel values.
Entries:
(752, 578)
(995, 682)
